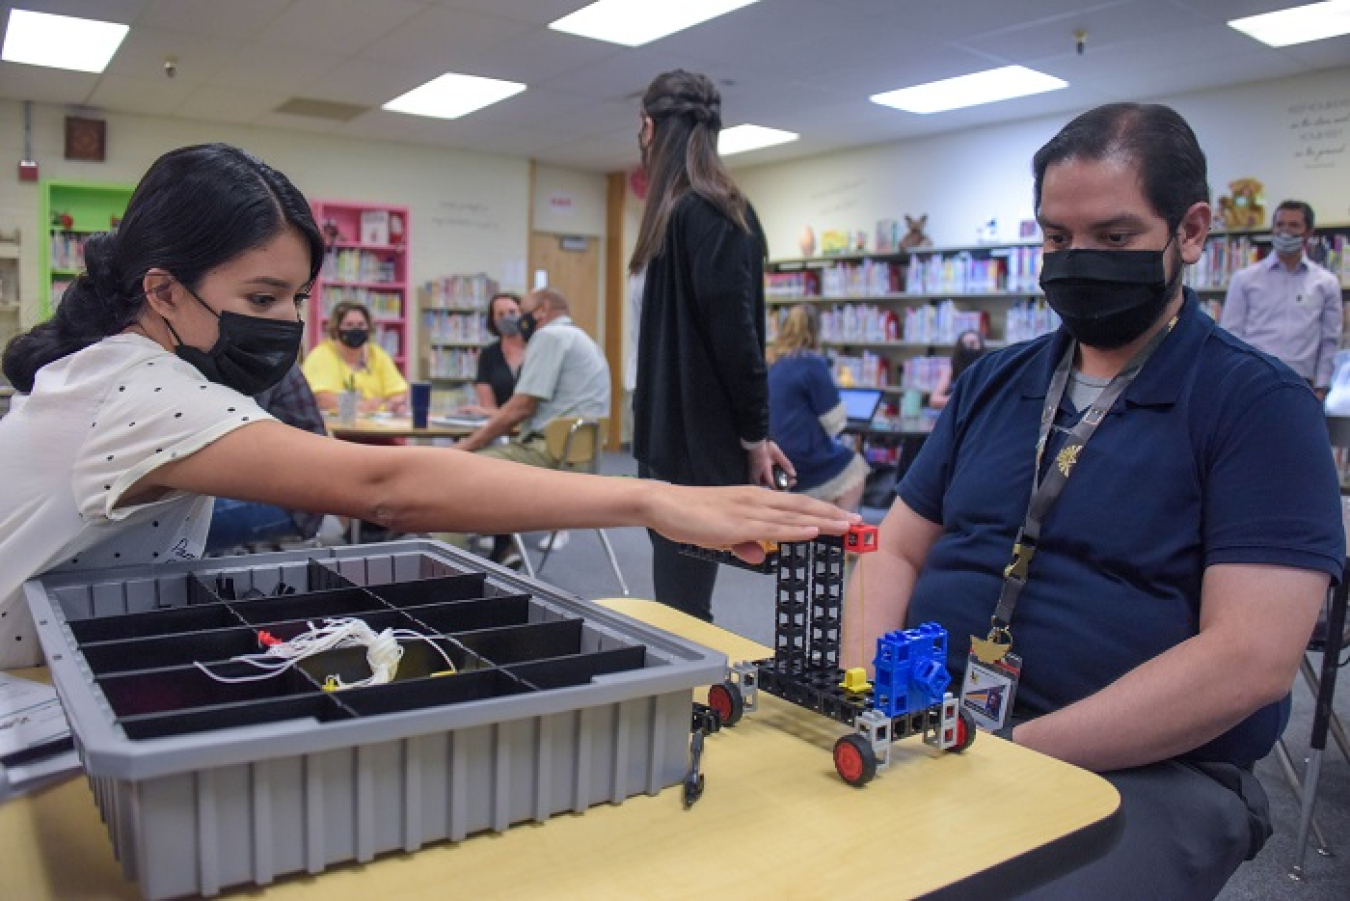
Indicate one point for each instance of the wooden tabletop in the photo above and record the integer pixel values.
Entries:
(775, 821)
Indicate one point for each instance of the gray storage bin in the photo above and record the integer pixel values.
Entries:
(558, 704)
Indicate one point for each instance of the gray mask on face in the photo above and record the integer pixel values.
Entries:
(1286, 244)
(508, 326)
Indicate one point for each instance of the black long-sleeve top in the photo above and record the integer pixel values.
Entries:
(702, 383)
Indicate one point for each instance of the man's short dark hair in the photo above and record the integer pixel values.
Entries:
(1308, 218)
(1172, 168)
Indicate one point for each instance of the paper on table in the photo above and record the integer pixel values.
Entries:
(31, 715)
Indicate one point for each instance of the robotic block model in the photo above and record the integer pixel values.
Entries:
(909, 697)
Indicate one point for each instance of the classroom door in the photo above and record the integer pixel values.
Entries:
(572, 264)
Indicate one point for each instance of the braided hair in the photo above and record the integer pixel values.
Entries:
(194, 210)
(686, 112)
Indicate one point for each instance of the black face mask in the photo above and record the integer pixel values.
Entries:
(527, 325)
(251, 353)
(1108, 298)
(354, 337)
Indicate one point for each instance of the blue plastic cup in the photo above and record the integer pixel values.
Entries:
(421, 404)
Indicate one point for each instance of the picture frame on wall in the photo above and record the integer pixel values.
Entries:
(86, 139)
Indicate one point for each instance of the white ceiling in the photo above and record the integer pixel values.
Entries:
(803, 65)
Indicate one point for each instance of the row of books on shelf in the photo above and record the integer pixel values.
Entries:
(382, 304)
(464, 292)
(453, 363)
(390, 339)
(349, 265)
(868, 278)
(462, 328)
(1029, 319)
(938, 323)
(1016, 270)
(67, 251)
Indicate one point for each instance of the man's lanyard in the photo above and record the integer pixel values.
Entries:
(1045, 492)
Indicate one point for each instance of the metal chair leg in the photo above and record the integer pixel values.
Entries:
(1334, 723)
(613, 560)
(524, 556)
(1291, 776)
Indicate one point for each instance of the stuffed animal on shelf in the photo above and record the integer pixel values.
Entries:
(1246, 208)
(915, 236)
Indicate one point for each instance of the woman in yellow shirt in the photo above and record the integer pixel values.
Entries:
(349, 360)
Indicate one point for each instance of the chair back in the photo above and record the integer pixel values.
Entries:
(574, 440)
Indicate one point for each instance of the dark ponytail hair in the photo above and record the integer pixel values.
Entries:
(196, 209)
(686, 112)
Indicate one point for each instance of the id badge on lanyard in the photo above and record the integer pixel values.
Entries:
(990, 689)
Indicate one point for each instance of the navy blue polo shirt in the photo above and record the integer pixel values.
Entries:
(801, 390)
(1216, 453)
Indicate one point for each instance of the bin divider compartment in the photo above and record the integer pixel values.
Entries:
(517, 644)
(317, 606)
(321, 705)
(161, 651)
(461, 587)
(579, 669)
(471, 616)
(167, 621)
(398, 697)
(186, 687)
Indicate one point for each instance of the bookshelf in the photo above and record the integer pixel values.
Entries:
(70, 213)
(890, 320)
(367, 263)
(453, 333)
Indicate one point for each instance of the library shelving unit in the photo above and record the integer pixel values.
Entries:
(71, 212)
(453, 333)
(890, 320)
(366, 262)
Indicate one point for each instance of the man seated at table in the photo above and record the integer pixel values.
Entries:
(1145, 506)
(564, 374)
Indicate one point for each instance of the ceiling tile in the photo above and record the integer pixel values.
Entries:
(198, 57)
(123, 11)
(148, 96)
(267, 67)
(439, 34)
(540, 12)
(212, 18)
(214, 104)
(42, 85)
(337, 26)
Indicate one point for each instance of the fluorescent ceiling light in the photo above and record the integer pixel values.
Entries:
(453, 95)
(61, 42)
(751, 137)
(637, 22)
(1298, 25)
(970, 90)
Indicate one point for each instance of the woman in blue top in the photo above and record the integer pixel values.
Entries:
(806, 414)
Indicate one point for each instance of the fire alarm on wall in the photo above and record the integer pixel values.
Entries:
(28, 170)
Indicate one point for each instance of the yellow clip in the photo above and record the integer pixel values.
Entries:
(331, 684)
(855, 680)
(444, 672)
(1021, 562)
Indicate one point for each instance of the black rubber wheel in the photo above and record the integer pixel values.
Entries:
(727, 701)
(854, 760)
(965, 731)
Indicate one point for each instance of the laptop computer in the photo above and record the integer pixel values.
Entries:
(860, 405)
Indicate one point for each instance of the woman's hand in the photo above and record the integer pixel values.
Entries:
(763, 458)
(739, 518)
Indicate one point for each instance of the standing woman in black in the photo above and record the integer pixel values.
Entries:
(700, 409)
